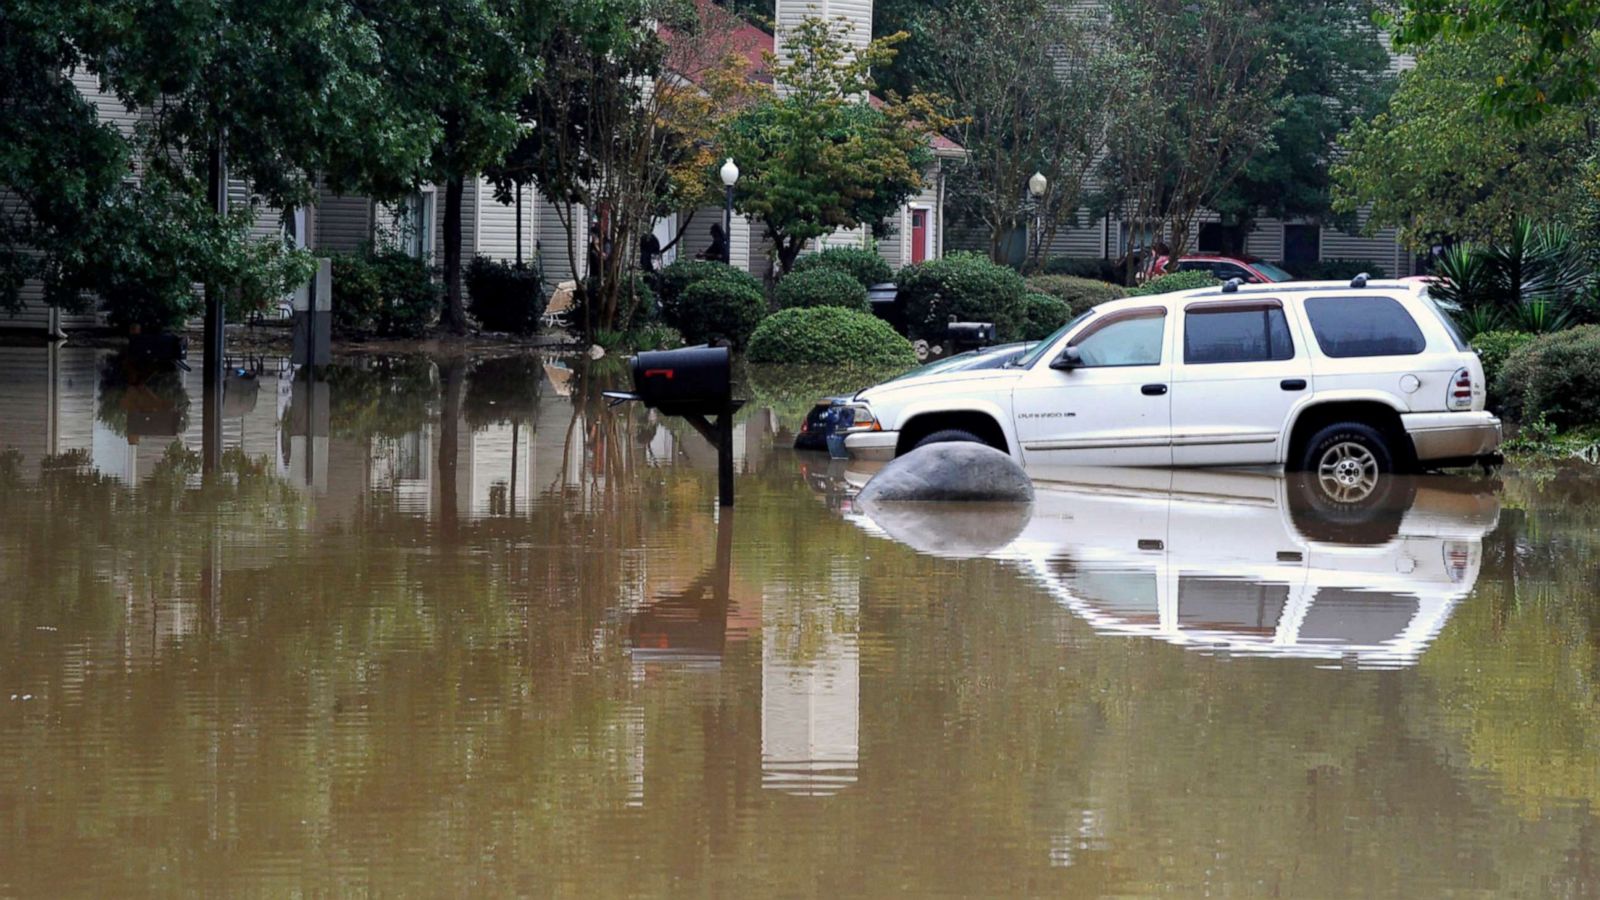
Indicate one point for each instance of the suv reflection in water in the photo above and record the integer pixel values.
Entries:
(1231, 562)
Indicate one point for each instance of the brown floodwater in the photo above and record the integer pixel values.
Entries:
(447, 627)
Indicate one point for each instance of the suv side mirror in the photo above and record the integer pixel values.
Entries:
(1067, 361)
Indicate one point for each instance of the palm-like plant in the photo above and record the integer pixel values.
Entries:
(1538, 279)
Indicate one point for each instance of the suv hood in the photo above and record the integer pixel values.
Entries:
(988, 378)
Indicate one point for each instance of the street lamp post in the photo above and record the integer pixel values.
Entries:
(730, 177)
(1037, 185)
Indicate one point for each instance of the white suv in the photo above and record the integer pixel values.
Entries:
(1344, 379)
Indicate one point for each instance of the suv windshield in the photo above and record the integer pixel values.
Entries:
(1447, 321)
(1037, 353)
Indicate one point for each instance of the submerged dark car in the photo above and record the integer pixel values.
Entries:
(822, 420)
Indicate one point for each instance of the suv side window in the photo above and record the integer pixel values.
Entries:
(1133, 338)
(1372, 325)
(1236, 332)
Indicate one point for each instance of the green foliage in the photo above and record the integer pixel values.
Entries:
(817, 159)
(635, 305)
(1555, 69)
(1337, 74)
(1436, 162)
(1177, 281)
(829, 335)
(821, 286)
(967, 286)
(191, 71)
(506, 296)
(1335, 269)
(387, 292)
(1537, 280)
(1494, 347)
(1554, 376)
(791, 390)
(384, 396)
(1045, 315)
(678, 277)
(1080, 294)
(865, 266)
(717, 309)
(1536, 438)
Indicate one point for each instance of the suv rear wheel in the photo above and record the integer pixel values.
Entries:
(1347, 459)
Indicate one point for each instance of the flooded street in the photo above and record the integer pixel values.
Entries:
(456, 628)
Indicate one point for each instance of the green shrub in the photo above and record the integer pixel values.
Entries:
(1494, 346)
(821, 287)
(676, 278)
(1089, 267)
(1177, 281)
(967, 286)
(865, 266)
(791, 391)
(720, 309)
(505, 296)
(389, 293)
(1045, 315)
(1080, 294)
(1334, 269)
(829, 335)
(1554, 376)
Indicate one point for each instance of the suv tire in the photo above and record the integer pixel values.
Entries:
(950, 436)
(1350, 453)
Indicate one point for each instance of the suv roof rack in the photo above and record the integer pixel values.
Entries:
(1231, 286)
(1360, 281)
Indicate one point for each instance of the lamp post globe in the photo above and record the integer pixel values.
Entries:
(730, 177)
(1038, 184)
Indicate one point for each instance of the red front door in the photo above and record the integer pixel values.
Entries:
(919, 235)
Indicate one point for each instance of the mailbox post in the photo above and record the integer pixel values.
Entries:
(693, 383)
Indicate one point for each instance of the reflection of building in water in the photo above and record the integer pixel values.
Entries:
(47, 404)
(811, 687)
(500, 470)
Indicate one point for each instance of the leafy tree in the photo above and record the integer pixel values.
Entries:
(1438, 163)
(820, 157)
(1336, 74)
(1206, 107)
(465, 66)
(1037, 87)
(626, 119)
(193, 72)
(1556, 63)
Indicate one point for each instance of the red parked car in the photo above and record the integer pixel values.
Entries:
(1252, 270)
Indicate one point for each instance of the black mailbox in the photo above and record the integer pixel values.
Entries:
(971, 335)
(692, 381)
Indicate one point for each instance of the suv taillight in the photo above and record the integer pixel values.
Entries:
(1460, 394)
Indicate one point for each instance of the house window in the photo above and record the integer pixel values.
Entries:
(411, 226)
(1302, 244)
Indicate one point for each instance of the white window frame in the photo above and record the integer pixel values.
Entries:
(928, 243)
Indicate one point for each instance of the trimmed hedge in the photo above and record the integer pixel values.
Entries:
(1045, 315)
(1554, 376)
(829, 335)
(1081, 294)
(505, 296)
(821, 286)
(1494, 347)
(865, 266)
(1177, 281)
(967, 286)
(389, 293)
(719, 308)
(676, 278)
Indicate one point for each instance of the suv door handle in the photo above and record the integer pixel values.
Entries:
(1293, 384)
(1153, 390)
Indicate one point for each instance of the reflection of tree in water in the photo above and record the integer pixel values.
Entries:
(504, 390)
(386, 396)
(142, 397)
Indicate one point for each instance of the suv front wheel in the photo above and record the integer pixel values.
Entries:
(1347, 459)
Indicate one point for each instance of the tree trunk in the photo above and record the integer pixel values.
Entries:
(452, 389)
(455, 311)
(788, 252)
